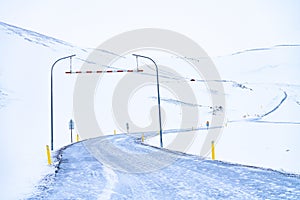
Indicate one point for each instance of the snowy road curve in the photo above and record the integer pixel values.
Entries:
(120, 167)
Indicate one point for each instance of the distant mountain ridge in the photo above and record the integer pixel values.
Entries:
(48, 41)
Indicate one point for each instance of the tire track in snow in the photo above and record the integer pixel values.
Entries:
(274, 109)
(112, 180)
(257, 119)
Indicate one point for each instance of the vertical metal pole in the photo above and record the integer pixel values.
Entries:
(51, 94)
(70, 64)
(137, 63)
(158, 100)
(158, 96)
(71, 137)
(52, 107)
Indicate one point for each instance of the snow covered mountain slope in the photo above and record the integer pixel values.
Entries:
(24, 106)
(262, 91)
(116, 175)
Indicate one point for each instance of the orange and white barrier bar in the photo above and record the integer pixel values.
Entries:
(100, 71)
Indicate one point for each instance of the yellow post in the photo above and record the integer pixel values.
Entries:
(143, 138)
(77, 138)
(48, 155)
(115, 132)
(213, 150)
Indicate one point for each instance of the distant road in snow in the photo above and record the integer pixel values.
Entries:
(120, 167)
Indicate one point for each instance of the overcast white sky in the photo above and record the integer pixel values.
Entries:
(220, 27)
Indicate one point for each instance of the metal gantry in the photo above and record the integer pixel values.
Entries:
(107, 71)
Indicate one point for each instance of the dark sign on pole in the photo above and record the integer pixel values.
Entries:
(71, 125)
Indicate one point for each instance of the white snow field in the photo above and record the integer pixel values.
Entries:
(124, 171)
(262, 91)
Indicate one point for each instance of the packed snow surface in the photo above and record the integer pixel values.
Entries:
(126, 169)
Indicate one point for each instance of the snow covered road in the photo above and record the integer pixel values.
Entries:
(120, 167)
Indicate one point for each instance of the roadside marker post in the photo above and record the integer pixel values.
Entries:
(127, 127)
(48, 155)
(143, 138)
(213, 156)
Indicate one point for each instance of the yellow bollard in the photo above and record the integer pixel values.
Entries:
(213, 150)
(48, 155)
(143, 138)
(115, 132)
(77, 138)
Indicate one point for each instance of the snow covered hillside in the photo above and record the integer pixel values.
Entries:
(262, 126)
(26, 59)
(262, 91)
